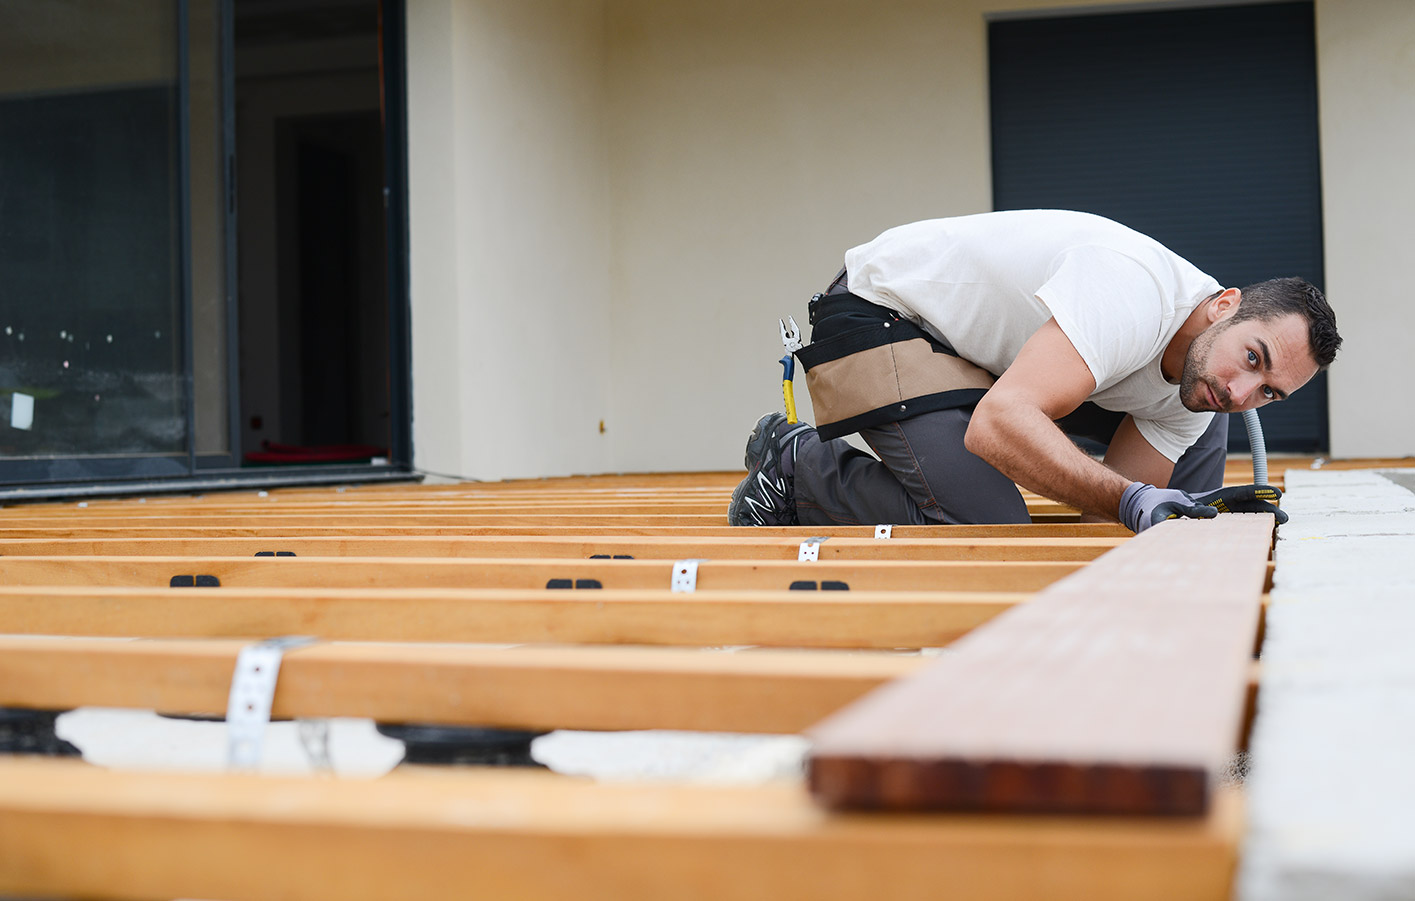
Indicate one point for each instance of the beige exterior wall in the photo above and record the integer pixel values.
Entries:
(1366, 79)
(510, 236)
(750, 145)
(735, 150)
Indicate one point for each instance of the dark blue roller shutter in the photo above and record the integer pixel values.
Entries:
(1198, 127)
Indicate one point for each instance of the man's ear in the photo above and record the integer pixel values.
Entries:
(1225, 305)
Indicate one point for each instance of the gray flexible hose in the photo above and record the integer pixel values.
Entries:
(1258, 445)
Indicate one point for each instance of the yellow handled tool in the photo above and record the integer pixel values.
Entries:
(791, 340)
(788, 391)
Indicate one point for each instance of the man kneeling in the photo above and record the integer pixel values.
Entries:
(965, 351)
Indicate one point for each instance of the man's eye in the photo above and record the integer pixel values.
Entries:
(1269, 393)
(1252, 358)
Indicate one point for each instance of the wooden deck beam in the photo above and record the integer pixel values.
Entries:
(200, 529)
(396, 520)
(581, 547)
(390, 572)
(808, 619)
(715, 508)
(71, 830)
(526, 687)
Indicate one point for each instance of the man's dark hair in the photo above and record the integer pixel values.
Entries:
(1279, 297)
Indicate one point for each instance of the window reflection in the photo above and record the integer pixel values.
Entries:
(90, 300)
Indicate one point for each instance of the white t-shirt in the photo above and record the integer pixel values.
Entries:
(986, 283)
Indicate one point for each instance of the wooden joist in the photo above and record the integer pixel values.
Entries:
(368, 572)
(1120, 689)
(74, 831)
(449, 565)
(819, 619)
(393, 521)
(548, 687)
(548, 510)
(736, 547)
(272, 519)
(65, 528)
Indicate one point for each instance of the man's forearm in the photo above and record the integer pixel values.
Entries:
(1022, 443)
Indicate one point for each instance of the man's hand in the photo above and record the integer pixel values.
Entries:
(1144, 505)
(1245, 499)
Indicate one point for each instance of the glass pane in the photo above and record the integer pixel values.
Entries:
(90, 299)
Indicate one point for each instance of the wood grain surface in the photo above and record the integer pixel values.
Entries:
(525, 687)
(821, 619)
(470, 572)
(1118, 690)
(742, 546)
(69, 830)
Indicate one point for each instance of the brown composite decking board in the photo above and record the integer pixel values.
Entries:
(1118, 690)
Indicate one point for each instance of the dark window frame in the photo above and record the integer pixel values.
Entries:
(37, 478)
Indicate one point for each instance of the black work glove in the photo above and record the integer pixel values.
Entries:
(1144, 505)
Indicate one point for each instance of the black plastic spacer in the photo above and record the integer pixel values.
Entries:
(452, 745)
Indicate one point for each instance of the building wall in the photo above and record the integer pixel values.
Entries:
(750, 145)
(1366, 73)
(509, 232)
(746, 146)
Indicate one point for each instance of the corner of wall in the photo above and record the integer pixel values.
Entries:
(510, 242)
(434, 285)
(1365, 70)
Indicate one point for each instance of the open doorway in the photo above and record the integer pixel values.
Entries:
(311, 231)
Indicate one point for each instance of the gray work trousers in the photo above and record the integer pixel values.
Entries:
(924, 474)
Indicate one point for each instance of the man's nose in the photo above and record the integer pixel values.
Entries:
(1241, 389)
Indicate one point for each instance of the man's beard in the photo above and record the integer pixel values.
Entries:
(1194, 376)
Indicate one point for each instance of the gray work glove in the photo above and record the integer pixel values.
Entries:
(1141, 506)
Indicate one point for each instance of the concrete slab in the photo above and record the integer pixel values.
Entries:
(1331, 784)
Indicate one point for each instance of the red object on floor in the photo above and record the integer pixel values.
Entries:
(294, 454)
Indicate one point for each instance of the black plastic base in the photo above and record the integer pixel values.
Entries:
(447, 745)
(32, 732)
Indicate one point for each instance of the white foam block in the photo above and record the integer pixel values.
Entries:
(1330, 781)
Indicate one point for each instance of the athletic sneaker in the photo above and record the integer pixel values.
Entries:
(766, 497)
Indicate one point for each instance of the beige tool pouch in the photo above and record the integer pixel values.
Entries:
(883, 371)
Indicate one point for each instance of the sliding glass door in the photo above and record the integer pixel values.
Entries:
(134, 345)
(99, 240)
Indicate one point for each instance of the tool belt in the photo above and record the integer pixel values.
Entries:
(866, 366)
